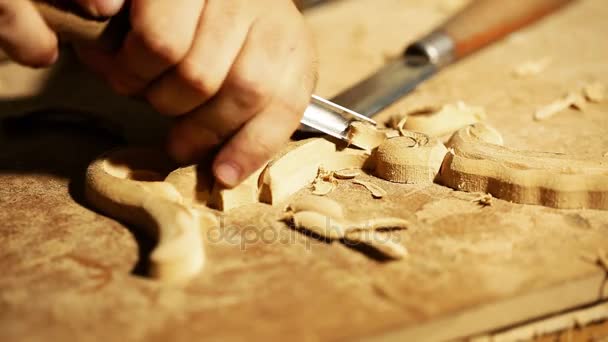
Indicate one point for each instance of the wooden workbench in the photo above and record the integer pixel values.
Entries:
(67, 272)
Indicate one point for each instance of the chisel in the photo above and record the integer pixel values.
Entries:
(479, 24)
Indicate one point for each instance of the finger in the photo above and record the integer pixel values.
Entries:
(257, 141)
(221, 34)
(266, 133)
(101, 8)
(24, 35)
(161, 35)
(249, 87)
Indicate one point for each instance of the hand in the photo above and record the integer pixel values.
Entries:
(25, 37)
(237, 74)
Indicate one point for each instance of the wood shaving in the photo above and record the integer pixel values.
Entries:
(327, 220)
(401, 125)
(485, 200)
(379, 241)
(571, 100)
(446, 120)
(365, 135)
(325, 206)
(322, 188)
(347, 173)
(532, 68)
(319, 224)
(595, 92)
(324, 183)
(375, 190)
(377, 223)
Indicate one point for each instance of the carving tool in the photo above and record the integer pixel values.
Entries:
(479, 24)
(321, 115)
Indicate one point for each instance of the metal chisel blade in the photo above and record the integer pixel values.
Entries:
(385, 86)
(330, 118)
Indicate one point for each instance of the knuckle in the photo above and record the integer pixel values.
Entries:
(201, 82)
(161, 45)
(250, 91)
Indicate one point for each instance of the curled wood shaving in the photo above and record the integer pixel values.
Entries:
(485, 200)
(324, 183)
(595, 92)
(531, 68)
(366, 231)
(322, 188)
(572, 99)
(376, 191)
(319, 224)
(377, 223)
(401, 125)
(379, 241)
(347, 174)
(365, 135)
(325, 206)
(436, 122)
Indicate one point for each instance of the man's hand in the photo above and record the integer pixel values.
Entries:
(238, 74)
(25, 37)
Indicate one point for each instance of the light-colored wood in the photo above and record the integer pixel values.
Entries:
(245, 193)
(485, 21)
(293, 169)
(127, 184)
(365, 135)
(325, 218)
(66, 268)
(414, 159)
(549, 179)
(443, 121)
(565, 321)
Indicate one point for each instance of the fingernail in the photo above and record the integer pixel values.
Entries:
(228, 174)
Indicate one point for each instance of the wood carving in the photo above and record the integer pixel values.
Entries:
(325, 218)
(245, 193)
(413, 158)
(477, 164)
(446, 120)
(122, 185)
(294, 168)
(298, 167)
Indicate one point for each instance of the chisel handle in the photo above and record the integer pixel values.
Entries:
(479, 24)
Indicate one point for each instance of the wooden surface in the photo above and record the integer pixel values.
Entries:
(67, 271)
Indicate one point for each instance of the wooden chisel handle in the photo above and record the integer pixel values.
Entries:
(479, 24)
